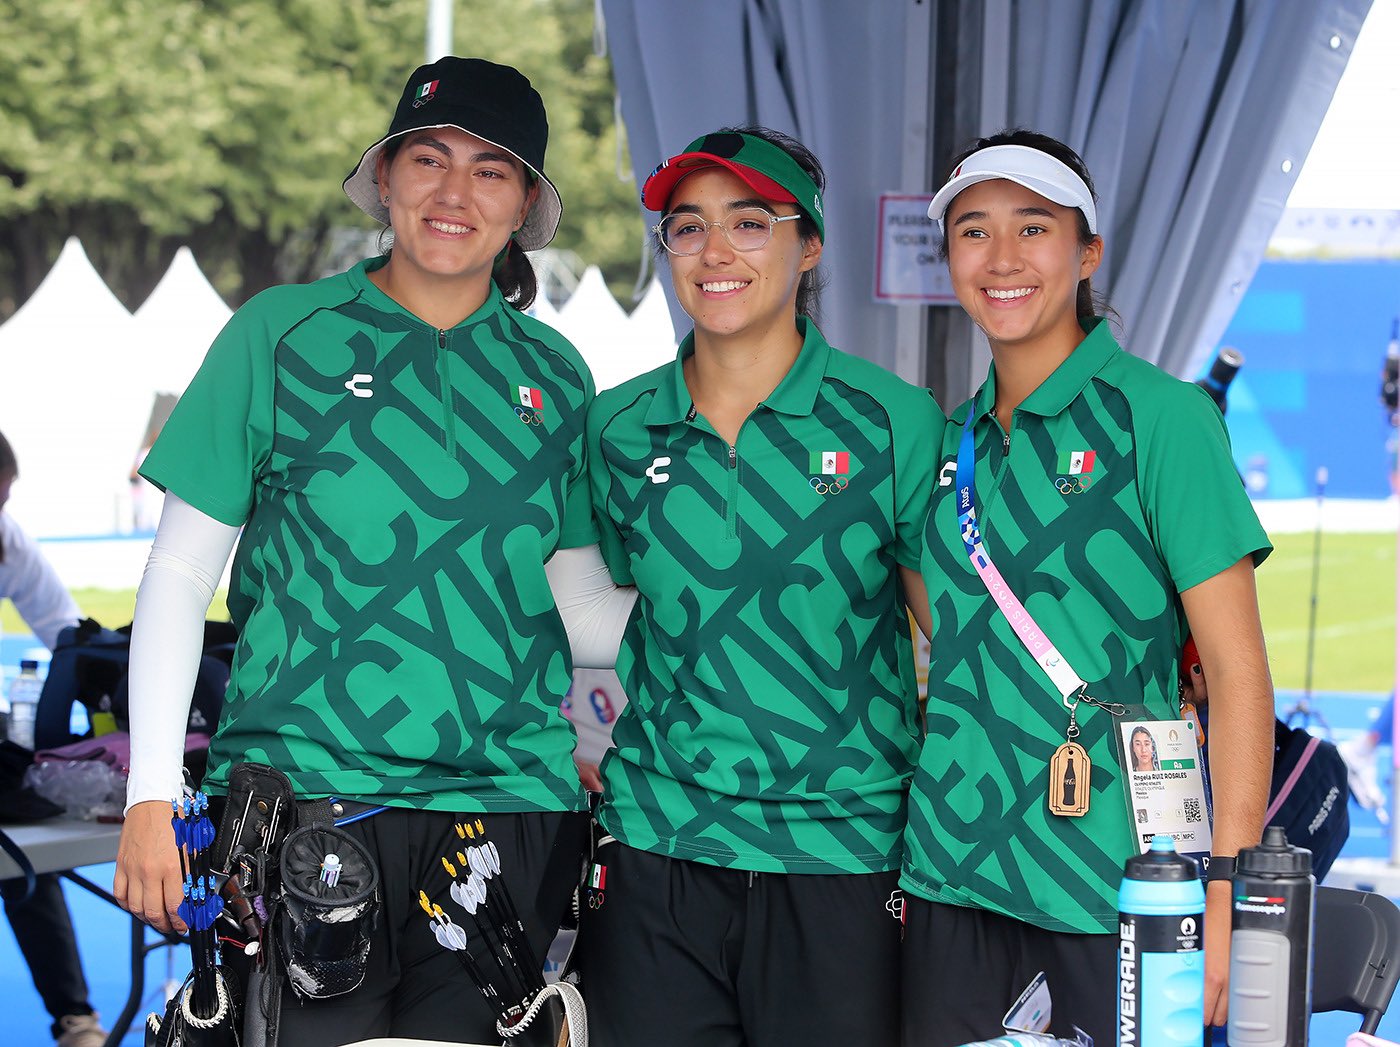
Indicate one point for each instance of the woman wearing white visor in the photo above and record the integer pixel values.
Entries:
(1083, 474)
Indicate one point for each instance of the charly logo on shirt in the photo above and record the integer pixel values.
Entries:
(832, 469)
(1075, 471)
(359, 385)
(528, 402)
(657, 469)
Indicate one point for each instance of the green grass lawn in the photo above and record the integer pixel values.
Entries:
(111, 607)
(1354, 645)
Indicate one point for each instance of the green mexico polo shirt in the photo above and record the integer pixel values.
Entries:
(400, 489)
(1113, 492)
(772, 723)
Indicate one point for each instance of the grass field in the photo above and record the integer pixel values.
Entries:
(111, 607)
(1354, 644)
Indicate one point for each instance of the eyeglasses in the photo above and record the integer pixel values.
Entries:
(746, 230)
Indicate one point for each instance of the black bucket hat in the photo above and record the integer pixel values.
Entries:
(493, 102)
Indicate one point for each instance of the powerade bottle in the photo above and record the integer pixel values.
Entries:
(1161, 953)
(1271, 940)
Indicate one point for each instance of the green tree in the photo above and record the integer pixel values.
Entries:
(227, 125)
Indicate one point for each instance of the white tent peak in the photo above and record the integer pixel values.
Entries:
(71, 284)
(177, 323)
(652, 313)
(73, 401)
(592, 302)
(184, 287)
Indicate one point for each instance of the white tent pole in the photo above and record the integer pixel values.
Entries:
(993, 112)
(1392, 353)
(439, 42)
(911, 321)
(995, 102)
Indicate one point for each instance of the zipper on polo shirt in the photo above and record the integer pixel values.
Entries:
(449, 420)
(731, 508)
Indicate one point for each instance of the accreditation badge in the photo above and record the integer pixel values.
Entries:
(1163, 779)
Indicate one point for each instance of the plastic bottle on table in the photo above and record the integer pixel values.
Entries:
(1161, 955)
(24, 703)
(1271, 942)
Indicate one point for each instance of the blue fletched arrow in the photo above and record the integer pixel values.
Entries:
(201, 834)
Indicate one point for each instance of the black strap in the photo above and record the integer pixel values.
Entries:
(22, 860)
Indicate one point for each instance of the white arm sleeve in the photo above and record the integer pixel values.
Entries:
(167, 641)
(595, 609)
(31, 582)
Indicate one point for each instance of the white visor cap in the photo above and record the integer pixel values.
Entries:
(1039, 172)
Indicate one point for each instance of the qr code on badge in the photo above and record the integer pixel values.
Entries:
(1142, 815)
(1192, 808)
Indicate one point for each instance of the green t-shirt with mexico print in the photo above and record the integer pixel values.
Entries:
(400, 489)
(1113, 492)
(772, 723)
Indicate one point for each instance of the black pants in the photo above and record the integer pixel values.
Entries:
(44, 932)
(964, 968)
(681, 954)
(413, 987)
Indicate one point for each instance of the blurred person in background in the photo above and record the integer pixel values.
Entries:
(1359, 754)
(42, 925)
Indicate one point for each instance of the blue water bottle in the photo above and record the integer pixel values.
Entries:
(1161, 952)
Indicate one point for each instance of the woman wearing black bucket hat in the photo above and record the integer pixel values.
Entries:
(403, 450)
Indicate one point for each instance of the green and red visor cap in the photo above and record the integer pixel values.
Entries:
(764, 167)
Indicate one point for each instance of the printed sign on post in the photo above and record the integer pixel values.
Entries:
(908, 270)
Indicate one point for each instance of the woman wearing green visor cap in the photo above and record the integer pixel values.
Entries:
(763, 493)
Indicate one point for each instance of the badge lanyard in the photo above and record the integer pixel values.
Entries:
(1069, 766)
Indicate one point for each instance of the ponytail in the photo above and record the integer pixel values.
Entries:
(515, 276)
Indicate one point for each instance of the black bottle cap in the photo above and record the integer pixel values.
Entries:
(1161, 863)
(1274, 856)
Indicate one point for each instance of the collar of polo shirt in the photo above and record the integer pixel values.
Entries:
(796, 393)
(1066, 382)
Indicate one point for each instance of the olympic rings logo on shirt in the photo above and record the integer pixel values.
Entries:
(528, 417)
(835, 485)
(1073, 484)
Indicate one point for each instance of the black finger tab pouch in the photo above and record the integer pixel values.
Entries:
(324, 930)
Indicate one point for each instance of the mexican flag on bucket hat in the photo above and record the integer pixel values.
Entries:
(765, 168)
(495, 103)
